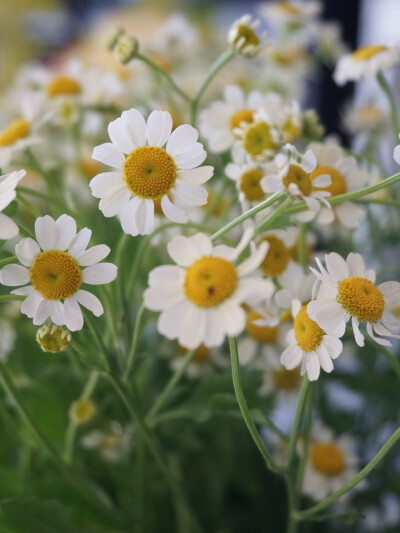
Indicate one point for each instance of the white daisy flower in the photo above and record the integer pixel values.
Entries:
(243, 38)
(346, 176)
(148, 172)
(218, 122)
(53, 266)
(8, 184)
(295, 285)
(295, 177)
(293, 12)
(331, 463)
(310, 346)
(346, 289)
(280, 251)
(200, 298)
(366, 62)
(364, 118)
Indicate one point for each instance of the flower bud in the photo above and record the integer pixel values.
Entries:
(111, 37)
(82, 411)
(53, 338)
(125, 48)
(311, 128)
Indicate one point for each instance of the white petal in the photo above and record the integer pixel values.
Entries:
(99, 274)
(328, 314)
(291, 357)
(134, 126)
(349, 214)
(181, 139)
(196, 176)
(166, 274)
(101, 184)
(172, 211)
(336, 266)
(391, 292)
(31, 303)
(163, 297)
(193, 327)
(323, 180)
(56, 311)
(114, 201)
(233, 317)
(46, 232)
(8, 228)
(183, 251)
(41, 313)
(110, 155)
(120, 135)
(66, 229)
(333, 345)
(202, 243)
(90, 301)
(73, 317)
(254, 261)
(93, 255)
(128, 222)
(26, 251)
(356, 265)
(272, 183)
(309, 161)
(191, 158)
(312, 366)
(159, 126)
(144, 216)
(11, 275)
(169, 321)
(359, 337)
(324, 358)
(214, 333)
(191, 195)
(79, 243)
(382, 342)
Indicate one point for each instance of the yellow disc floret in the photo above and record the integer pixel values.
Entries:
(338, 185)
(286, 379)
(250, 184)
(366, 52)
(361, 298)
(246, 36)
(53, 338)
(210, 280)
(287, 7)
(258, 138)
(328, 458)
(307, 332)
(243, 115)
(16, 130)
(62, 85)
(264, 334)
(55, 274)
(298, 176)
(149, 172)
(277, 258)
(82, 411)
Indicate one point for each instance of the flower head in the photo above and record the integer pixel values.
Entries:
(200, 298)
(53, 338)
(53, 266)
(150, 164)
(243, 37)
(8, 184)
(346, 289)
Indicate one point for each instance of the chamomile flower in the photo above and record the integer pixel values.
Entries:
(346, 176)
(346, 289)
(295, 285)
(243, 37)
(200, 298)
(294, 176)
(8, 184)
(146, 171)
(262, 138)
(279, 254)
(310, 346)
(218, 122)
(366, 62)
(331, 463)
(247, 176)
(364, 118)
(53, 266)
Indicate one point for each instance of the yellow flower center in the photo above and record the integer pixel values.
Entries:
(55, 274)
(366, 52)
(290, 130)
(338, 185)
(249, 36)
(264, 334)
(210, 280)
(17, 129)
(286, 379)
(277, 258)
(289, 56)
(327, 458)
(243, 115)
(287, 7)
(250, 184)
(258, 138)
(61, 85)
(82, 411)
(307, 332)
(53, 338)
(294, 251)
(370, 113)
(361, 298)
(300, 177)
(202, 354)
(149, 172)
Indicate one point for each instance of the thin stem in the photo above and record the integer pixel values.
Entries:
(165, 394)
(268, 222)
(25, 232)
(99, 340)
(297, 421)
(8, 261)
(393, 110)
(222, 60)
(133, 348)
(165, 76)
(379, 201)
(253, 211)
(73, 426)
(237, 385)
(31, 208)
(302, 515)
(306, 438)
(303, 245)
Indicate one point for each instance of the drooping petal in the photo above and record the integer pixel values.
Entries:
(324, 358)
(26, 251)
(144, 216)
(113, 202)
(73, 317)
(291, 357)
(56, 311)
(214, 333)
(128, 222)
(41, 313)
(328, 314)
(172, 211)
(359, 337)
(193, 327)
(31, 303)
(90, 301)
(191, 195)
(312, 365)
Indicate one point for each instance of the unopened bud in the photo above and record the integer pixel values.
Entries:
(126, 48)
(311, 127)
(111, 37)
(53, 338)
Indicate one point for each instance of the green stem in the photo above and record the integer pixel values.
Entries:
(394, 363)
(303, 515)
(31, 208)
(222, 60)
(72, 426)
(133, 347)
(306, 439)
(379, 201)
(253, 211)
(267, 223)
(163, 397)
(25, 232)
(10, 297)
(8, 261)
(237, 385)
(99, 340)
(303, 246)
(294, 435)
(393, 110)
(165, 76)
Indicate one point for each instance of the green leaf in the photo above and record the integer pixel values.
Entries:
(20, 515)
